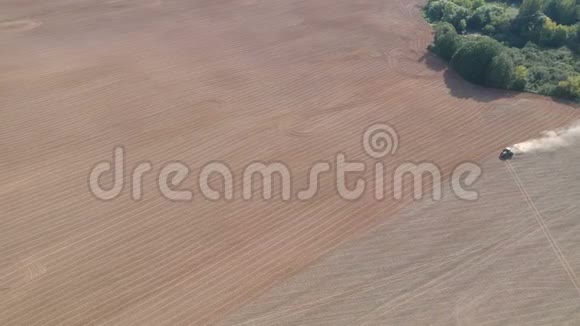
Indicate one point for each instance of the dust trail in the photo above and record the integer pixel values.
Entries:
(551, 140)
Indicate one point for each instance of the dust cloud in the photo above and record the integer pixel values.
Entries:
(551, 140)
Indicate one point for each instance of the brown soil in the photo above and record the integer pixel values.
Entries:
(196, 81)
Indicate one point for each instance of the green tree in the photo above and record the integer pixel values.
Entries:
(574, 39)
(477, 4)
(446, 41)
(569, 88)
(530, 29)
(488, 30)
(530, 7)
(484, 15)
(454, 13)
(462, 25)
(502, 21)
(553, 34)
(434, 10)
(530, 20)
(464, 3)
(562, 11)
(500, 73)
(474, 57)
(520, 78)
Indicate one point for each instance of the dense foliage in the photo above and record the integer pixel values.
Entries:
(529, 45)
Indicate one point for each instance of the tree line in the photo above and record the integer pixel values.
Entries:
(529, 46)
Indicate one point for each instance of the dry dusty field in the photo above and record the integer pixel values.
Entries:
(278, 80)
(451, 262)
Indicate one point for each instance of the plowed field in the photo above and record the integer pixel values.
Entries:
(290, 81)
